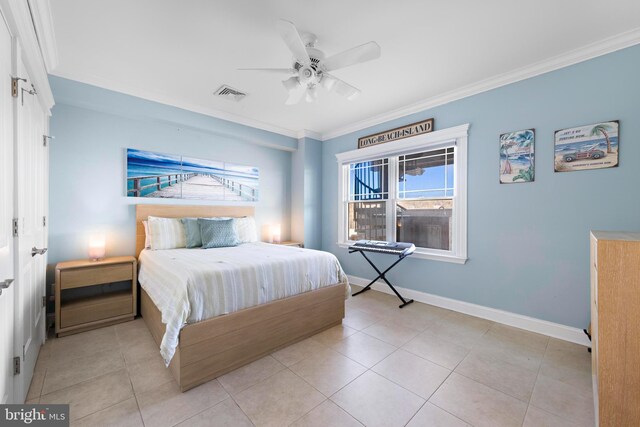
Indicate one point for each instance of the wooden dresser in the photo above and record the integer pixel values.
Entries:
(615, 327)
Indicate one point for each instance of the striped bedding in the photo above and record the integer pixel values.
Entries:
(191, 285)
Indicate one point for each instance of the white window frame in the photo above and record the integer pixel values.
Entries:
(456, 137)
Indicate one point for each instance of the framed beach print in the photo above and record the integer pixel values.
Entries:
(167, 176)
(517, 153)
(587, 147)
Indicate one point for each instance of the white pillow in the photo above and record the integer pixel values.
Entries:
(166, 233)
(246, 229)
(147, 238)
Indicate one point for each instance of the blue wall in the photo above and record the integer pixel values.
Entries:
(297, 193)
(312, 193)
(306, 193)
(93, 127)
(528, 243)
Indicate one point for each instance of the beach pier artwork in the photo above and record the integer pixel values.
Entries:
(158, 182)
(587, 147)
(157, 175)
(517, 156)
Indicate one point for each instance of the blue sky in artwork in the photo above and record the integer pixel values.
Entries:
(141, 162)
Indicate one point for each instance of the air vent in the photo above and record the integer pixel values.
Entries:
(229, 93)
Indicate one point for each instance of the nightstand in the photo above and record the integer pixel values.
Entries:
(291, 243)
(95, 305)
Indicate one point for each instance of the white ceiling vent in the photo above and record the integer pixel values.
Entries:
(227, 92)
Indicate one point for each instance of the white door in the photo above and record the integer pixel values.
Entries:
(30, 192)
(6, 213)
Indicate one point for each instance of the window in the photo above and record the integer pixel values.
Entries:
(412, 190)
(368, 195)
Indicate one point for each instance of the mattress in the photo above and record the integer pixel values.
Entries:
(192, 285)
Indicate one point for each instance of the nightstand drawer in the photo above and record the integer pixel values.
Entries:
(88, 276)
(95, 308)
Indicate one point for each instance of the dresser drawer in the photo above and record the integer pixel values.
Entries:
(89, 276)
(88, 310)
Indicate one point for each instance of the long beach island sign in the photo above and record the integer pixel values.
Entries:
(413, 129)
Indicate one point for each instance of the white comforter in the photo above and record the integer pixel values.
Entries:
(191, 285)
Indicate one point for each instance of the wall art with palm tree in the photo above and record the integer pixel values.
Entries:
(517, 156)
(587, 147)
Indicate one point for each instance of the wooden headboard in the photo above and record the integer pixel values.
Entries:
(178, 211)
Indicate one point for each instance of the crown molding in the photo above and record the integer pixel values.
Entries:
(94, 103)
(18, 17)
(306, 133)
(167, 100)
(603, 47)
(43, 23)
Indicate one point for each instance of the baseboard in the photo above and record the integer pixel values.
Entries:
(527, 323)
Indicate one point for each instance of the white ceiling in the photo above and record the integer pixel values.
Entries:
(179, 52)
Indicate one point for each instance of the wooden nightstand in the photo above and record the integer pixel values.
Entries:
(102, 308)
(291, 243)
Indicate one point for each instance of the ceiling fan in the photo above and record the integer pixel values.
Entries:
(311, 69)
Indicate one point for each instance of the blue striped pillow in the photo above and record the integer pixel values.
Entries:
(217, 233)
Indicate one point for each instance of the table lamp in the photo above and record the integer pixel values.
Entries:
(276, 233)
(97, 243)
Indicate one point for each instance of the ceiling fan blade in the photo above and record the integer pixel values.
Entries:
(356, 55)
(334, 84)
(292, 39)
(289, 71)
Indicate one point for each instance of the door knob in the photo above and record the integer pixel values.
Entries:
(5, 284)
(35, 251)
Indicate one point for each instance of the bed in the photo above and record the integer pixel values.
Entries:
(208, 347)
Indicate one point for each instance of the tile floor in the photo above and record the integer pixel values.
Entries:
(419, 366)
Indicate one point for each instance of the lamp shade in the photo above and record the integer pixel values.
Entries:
(291, 83)
(97, 244)
(276, 233)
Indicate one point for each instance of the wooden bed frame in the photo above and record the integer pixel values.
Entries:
(213, 347)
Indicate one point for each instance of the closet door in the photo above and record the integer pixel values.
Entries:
(6, 213)
(30, 263)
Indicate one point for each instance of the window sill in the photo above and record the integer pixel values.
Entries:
(421, 254)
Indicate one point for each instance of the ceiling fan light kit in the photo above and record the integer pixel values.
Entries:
(291, 83)
(310, 68)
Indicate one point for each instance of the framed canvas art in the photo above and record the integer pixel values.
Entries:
(587, 147)
(517, 155)
(168, 176)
